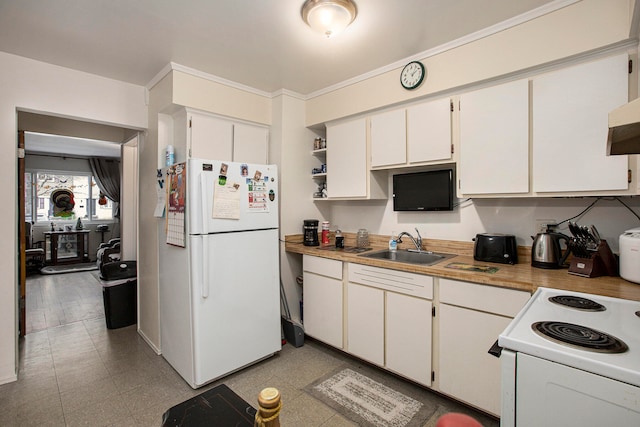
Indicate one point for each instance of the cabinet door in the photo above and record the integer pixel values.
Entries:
(408, 337)
(494, 140)
(365, 323)
(323, 308)
(467, 372)
(570, 126)
(250, 144)
(210, 137)
(347, 159)
(429, 131)
(388, 139)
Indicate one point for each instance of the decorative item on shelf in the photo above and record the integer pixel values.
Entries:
(322, 191)
(321, 169)
(79, 225)
(319, 143)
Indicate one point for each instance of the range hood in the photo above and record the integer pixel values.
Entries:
(624, 129)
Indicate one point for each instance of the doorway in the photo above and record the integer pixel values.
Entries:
(82, 131)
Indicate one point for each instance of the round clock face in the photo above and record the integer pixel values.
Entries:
(412, 75)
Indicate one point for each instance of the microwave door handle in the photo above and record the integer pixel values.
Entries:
(204, 203)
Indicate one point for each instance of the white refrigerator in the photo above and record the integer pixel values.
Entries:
(219, 275)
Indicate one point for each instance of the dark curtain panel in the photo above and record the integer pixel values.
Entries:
(107, 175)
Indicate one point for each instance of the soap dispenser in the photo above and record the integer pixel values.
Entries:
(393, 243)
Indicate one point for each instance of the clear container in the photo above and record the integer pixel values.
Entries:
(362, 238)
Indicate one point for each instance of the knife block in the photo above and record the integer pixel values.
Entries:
(602, 262)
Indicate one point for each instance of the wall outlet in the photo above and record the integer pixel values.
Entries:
(541, 224)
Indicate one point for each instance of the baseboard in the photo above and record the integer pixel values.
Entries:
(149, 342)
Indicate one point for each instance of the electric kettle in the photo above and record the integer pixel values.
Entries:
(546, 251)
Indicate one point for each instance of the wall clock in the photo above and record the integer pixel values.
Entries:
(412, 75)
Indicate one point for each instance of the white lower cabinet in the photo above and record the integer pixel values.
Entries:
(389, 320)
(471, 316)
(408, 333)
(365, 323)
(323, 302)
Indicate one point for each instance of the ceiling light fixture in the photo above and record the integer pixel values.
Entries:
(329, 17)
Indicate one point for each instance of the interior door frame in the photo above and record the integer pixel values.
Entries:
(22, 243)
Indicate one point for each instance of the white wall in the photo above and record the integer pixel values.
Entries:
(39, 87)
(290, 148)
(577, 28)
(512, 216)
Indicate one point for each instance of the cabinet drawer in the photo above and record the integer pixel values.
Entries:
(322, 266)
(392, 280)
(505, 302)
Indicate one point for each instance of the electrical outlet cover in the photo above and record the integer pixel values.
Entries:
(541, 224)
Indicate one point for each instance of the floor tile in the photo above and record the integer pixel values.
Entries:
(77, 372)
(42, 412)
(103, 412)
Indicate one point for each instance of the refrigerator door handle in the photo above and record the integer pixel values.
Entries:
(205, 267)
(204, 203)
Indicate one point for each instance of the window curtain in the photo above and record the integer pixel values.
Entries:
(106, 172)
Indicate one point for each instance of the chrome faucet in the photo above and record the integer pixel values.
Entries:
(416, 241)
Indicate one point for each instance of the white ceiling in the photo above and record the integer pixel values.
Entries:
(259, 43)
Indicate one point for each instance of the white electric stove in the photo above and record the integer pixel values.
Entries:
(572, 359)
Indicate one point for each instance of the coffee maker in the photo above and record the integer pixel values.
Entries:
(310, 232)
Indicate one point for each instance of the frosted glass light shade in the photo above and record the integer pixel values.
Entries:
(328, 17)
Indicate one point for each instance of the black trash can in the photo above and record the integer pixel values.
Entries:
(119, 293)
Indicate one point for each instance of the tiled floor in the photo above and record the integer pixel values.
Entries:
(76, 372)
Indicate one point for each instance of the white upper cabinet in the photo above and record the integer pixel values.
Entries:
(416, 135)
(209, 137)
(347, 159)
(389, 139)
(494, 140)
(570, 125)
(250, 144)
(348, 175)
(201, 135)
(429, 131)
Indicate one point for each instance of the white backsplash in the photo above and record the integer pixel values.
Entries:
(508, 215)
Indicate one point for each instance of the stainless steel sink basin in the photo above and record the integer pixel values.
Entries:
(410, 257)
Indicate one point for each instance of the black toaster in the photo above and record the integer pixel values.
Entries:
(495, 248)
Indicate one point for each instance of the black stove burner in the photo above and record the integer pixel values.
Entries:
(580, 337)
(577, 303)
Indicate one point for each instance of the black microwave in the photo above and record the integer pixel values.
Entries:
(423, 191)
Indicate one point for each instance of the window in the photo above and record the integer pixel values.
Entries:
(40, 185)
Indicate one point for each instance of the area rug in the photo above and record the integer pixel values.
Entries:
(68, 268)
(372, 400)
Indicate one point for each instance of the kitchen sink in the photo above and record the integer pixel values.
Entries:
(410, 257)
